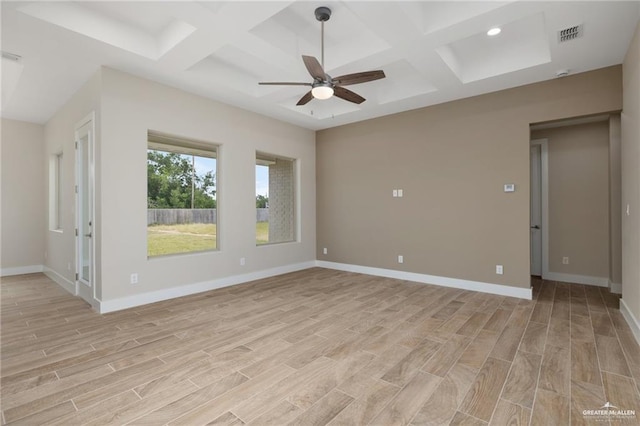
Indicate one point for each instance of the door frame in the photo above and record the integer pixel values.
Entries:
(544, 199)
(80, 287)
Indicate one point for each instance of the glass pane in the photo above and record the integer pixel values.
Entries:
(181, 202)
(85, 213)
(275, 199)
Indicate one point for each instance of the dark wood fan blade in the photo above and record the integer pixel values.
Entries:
(314, 67)
(305, 99)
(358, 77)
(348, 95)
(283, 83)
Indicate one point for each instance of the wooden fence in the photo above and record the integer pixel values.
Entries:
(174, 216)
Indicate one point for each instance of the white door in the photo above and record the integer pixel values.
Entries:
(536, 210)
(84, 211)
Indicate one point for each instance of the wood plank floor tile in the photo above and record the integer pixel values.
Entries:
(191, 401)
(475, 322)
(585, 396)
(555, 372)
(534, 339)
(622, 392)
(579, 307)
(461, 419)
(107, 406)
(602, 324)
(444, 402)
(227, 419)
(324, 410)
(485, 391)
(561, 309)
(498, 320)
(408, 401)
(367, 405)
(317, 387)
(45, 415)
(550, 409)
(319, 346)
(281, 414)
(523, 379)
(581, 329)
(507, 413)
(405, 369)
(446, 356)
(542, 312)
(611, 356)
(478, 350)
(584, 363)
(126, 413)
(559, 333)
(508, 342)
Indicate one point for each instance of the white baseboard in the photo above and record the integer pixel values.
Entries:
(577, 279)
(21, 270)
(503, 290)
(633, 322)
(615, 288)
(70, 286)
(186, 290)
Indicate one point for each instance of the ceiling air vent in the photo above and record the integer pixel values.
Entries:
(10, 56)
(570, 33)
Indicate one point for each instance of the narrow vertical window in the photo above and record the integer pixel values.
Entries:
(275, 199)
(181, 195)
(55, 191)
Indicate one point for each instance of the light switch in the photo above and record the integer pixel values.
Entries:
(509, 187)
(399, 192)
(395, 192)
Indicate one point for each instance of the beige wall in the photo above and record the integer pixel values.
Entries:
(23, 196)
(130, 107)
(578, 198)
(631, 178)
(451, 160)
(615, 204)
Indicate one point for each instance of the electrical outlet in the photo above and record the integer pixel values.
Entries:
(565, 260)
(134, 279)
(400, 259)
(499, 270)
(400, 193)
(242, 261)
(324, 250)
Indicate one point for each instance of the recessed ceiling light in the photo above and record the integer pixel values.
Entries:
(494, 31)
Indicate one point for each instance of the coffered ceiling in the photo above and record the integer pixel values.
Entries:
(431, 51)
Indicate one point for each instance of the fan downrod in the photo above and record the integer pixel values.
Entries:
(323, 13)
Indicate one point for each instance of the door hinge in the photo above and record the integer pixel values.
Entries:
(76, 144)
(76, 232)
(76, 276)
(76, 189)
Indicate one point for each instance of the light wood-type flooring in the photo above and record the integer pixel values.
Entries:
(317, 347)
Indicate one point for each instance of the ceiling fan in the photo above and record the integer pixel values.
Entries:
(324, 86)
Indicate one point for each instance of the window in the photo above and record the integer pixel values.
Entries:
(275, 199)
(55, 192)
(181, 195)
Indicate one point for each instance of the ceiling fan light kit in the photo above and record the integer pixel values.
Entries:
(324, 86)
(322, 91)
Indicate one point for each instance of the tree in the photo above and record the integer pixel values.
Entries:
(262, 202)
(172, 183)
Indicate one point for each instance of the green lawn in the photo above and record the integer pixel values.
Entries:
(262, 233)
(186, 238)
